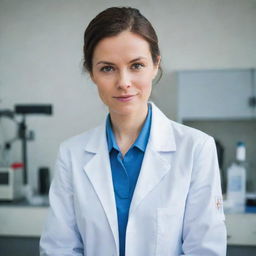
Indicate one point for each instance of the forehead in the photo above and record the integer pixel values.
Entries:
(125, 45)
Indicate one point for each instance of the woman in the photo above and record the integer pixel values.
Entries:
(140, 184)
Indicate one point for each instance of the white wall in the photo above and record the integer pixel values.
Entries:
(41, 59)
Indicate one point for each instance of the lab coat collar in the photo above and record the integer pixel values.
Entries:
(98, 171)
(162, 137)
(157, 159)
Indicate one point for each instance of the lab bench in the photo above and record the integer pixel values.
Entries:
(23, 220)
(241, 229)
(21, 226)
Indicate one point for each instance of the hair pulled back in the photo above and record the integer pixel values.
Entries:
(113, 21)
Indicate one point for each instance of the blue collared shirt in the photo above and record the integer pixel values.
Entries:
(125, 172)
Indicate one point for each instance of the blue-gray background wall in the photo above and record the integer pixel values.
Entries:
(41, 59)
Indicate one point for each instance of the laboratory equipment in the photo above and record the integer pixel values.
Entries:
(236, 187)
(11, 185)
(25, 109)
(43, 180)
(12, 180)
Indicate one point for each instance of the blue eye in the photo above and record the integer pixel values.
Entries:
(137, 66)
(107, 69)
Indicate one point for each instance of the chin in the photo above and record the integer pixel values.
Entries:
(125, 109)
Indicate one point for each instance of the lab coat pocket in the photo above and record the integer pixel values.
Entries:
(169, 228)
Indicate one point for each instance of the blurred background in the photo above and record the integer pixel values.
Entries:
(209, 82)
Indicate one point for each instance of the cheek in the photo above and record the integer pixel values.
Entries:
(103, 82)
(144, 84)
(101, 90)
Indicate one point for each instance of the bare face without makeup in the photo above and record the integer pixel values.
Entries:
(123, 70)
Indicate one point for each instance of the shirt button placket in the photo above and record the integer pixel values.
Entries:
(124, 179)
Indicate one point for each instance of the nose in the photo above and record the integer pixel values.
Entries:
(124, 80)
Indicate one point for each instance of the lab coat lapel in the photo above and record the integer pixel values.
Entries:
(98, 171)
(157, 159)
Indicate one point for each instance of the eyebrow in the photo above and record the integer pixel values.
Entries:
(110, 63)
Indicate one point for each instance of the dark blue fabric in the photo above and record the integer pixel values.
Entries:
(125, 172)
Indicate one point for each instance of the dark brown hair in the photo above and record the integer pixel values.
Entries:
(113, 21)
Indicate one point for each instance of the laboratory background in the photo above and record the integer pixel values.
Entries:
(209, 82)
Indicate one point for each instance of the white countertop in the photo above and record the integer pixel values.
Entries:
(27, 221)
(22, 220)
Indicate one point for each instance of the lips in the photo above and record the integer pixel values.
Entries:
(125, 97)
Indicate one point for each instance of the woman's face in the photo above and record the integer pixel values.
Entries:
(123, 70)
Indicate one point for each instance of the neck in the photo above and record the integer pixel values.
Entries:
(127, 127)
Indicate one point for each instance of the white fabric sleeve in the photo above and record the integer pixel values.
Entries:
(61, 235)
(204, 231)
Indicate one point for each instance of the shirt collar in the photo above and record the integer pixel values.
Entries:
(110, 136)
(142, 139)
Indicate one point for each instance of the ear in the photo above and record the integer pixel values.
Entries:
(158, 61)
(92, 77)
(156, 66)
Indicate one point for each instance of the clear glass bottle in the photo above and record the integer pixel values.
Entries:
(236, 187)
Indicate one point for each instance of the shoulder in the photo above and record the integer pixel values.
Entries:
(184, 132)
(170, 135)
(80, 141)
(176, 131)
(195, 142)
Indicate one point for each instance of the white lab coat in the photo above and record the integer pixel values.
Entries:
(176, 207)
